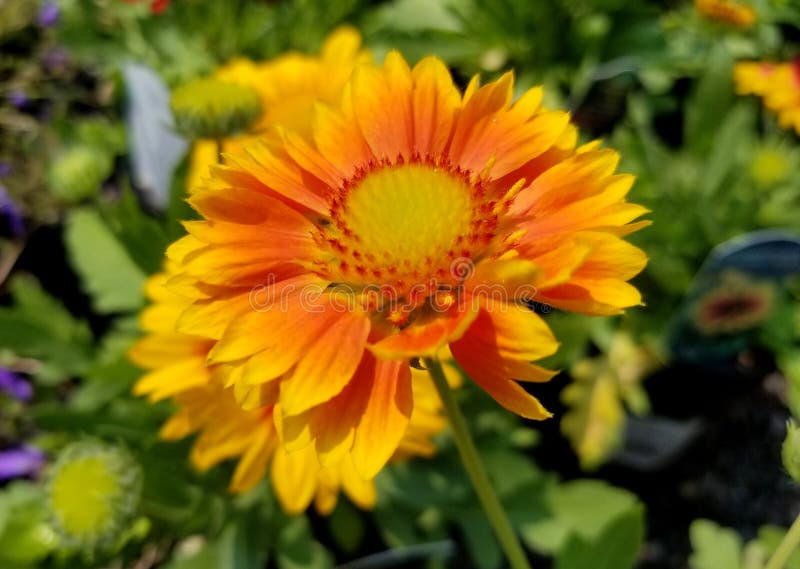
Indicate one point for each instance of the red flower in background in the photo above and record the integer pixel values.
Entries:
(156, 6)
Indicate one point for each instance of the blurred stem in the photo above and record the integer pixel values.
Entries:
(220, 159)
(477, 473)
(789, 544)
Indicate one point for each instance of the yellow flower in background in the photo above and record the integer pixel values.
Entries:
(177, 364)
(778, 84)
(412, 219)
(727, 11)
(288, 87)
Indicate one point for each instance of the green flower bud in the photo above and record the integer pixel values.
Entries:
(210, 108)
(93, 492)
(791, 450)
(78, 172)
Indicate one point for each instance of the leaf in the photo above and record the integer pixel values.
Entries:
(298, 550)
(709, 103)
(347, 526)
(25, 535)
(583, 508)
(770, 537)
(109, 275)
(594, 424)
(111, 374)
(714, 547)
(142, 236)
(38, 326)
(615, 548)
(480, 540)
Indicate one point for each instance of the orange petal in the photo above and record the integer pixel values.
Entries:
(285, 324)
(382, 100)
(486, 367)
(435, 103)
(327, 365)
(385, 418)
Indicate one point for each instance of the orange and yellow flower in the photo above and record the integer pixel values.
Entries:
(177, 370)
(778, 84)
(727, 11)
(410, 219)
(288, 87)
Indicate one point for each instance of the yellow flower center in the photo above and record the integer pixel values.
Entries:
(408, 214)
(82, 495)
(407, 225)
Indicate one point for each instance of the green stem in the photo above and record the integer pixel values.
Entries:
(789, 544)
(477, 473)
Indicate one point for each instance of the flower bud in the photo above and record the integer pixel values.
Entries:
(210, 108)
(78, 173)
(93, 492)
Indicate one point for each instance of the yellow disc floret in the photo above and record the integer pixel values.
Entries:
(408, 212)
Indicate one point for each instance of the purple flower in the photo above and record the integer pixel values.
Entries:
(11, 212)
(20, 461)
(48, 15)
(17, 98)
(15, 385)
(5, 169)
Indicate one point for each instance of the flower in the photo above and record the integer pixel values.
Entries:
(12, 213)
(736, 304)
(213, 108)
(78, 172)
(18, 98)
(93, 492)
(15, 385)
(156, 6)
(226, 430)
(411, 219)
(727, 11)
(288, 87)
(778, 84)
(48, 15)
(20, 461)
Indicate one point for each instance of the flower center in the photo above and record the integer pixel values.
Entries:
(405, 225)
(408, 213)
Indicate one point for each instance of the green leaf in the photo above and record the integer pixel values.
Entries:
(709, 103)
(38, 326)
(480, 541)
(298, 550)
(25, 535)
(615, 548)
(109, 275)
(111, 374)
(714, 547)
(347, 526)
(142, 236)
(583, 508)
(770, 537)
